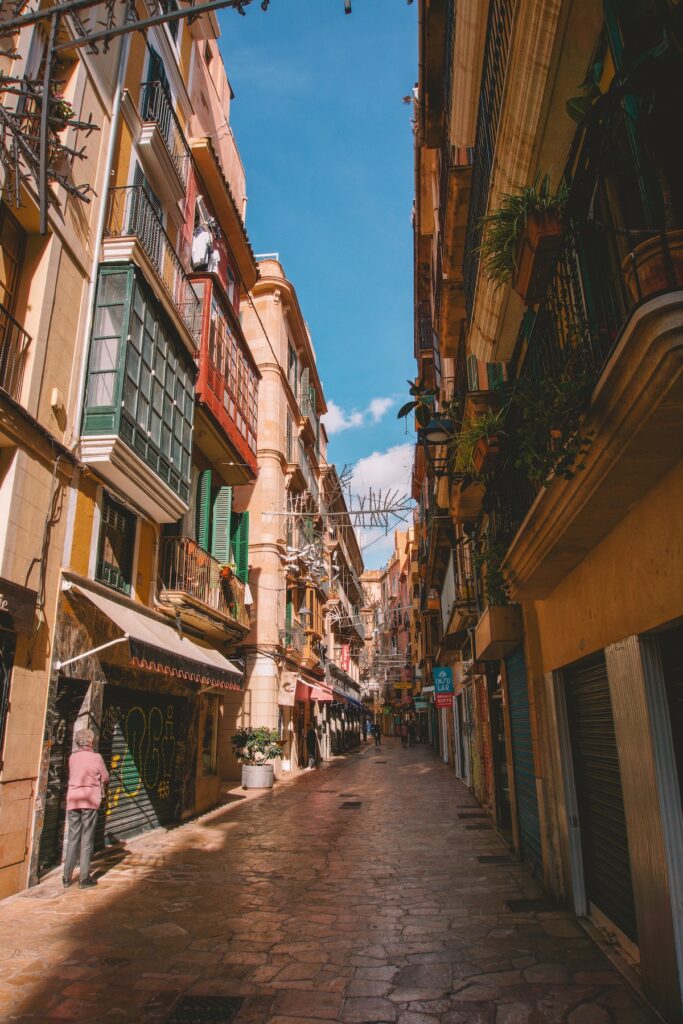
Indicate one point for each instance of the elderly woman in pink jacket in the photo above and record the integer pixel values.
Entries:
(88, 776)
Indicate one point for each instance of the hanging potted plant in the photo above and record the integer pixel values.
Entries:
(478, 443)
(254, 747)
(522, 237)
(640, 96)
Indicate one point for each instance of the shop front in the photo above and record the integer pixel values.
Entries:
(151, 695)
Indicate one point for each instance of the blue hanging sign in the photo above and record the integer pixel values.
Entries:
(443, 680)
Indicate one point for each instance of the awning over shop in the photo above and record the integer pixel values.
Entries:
(311, 691)
(156, 647)
(355, 704)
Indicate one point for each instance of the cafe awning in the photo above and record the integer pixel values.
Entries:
(313, 691)
(156, 646)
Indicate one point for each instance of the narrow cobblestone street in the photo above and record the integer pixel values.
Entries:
(355, 894)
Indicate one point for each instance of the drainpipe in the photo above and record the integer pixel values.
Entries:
(90, 309)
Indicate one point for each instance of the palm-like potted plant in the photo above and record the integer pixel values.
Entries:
(522, 237)
(478, 443)
(256, 747)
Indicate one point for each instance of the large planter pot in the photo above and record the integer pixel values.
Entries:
(467, 500)
(485, 454)
(257, 776)
(498, 632)
(655, 266)
(536, 255)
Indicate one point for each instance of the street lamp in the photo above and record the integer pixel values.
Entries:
(304, 614)
(437, 434)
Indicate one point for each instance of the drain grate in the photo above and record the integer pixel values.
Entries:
(522, 906)
(352, 805)
(479, 825)
(495, 859)
(474, 814)
(205, 1010)
(379, 762)
(348, 794)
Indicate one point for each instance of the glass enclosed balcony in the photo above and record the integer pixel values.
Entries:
(139, 405)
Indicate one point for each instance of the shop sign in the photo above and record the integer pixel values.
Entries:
(443, 680)
(287, 690)
(402, 686)
(345, 657)
(20, 603)
(443, 700)
(420, 705)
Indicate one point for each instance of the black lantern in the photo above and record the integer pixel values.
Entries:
(437, 434)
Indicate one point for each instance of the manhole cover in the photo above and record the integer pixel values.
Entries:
(473, 814)
(353, 805)
(495, 859)
(522, 906)
(480, 824)
(205, 1010)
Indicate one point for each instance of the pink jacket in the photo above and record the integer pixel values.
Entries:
(87, 776)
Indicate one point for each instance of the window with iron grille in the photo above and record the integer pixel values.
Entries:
(117, 542)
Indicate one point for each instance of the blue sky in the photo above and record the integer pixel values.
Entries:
(327, 146)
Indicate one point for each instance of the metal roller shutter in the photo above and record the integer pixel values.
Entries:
(523, 759)
(604, 840)
(671, 645)
(143, 743)
(485, 733)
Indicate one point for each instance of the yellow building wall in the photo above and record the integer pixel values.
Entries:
(83, 526)
(145, 567)
(630, 583)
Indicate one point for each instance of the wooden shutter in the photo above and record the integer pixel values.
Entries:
(240, 544)
(311, 400)
(472, 372)
(305, 384)
(288, 439)
(495, 373)
(220, 533)
(203, 517)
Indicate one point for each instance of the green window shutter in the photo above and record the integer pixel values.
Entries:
(203, 515)
(220, 533)
(496, 375)
(289, 610)
(240, 544)
(311, 400)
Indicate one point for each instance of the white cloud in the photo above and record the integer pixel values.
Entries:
(385, 471)
(337, 419)
(378, 407)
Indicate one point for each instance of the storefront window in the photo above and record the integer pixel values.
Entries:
(210, 736)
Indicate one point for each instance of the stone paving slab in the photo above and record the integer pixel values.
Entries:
(312, 914)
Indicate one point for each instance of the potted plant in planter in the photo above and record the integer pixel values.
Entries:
(478, 443)
(254, 748)
(522, 237)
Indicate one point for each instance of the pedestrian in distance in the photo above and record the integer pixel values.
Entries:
(378, 735)
(312, 746)
(88, 777)
(404, 735)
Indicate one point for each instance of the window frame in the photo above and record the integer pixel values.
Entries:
(106, 572)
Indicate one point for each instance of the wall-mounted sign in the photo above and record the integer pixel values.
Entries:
(443, 700)
(443, 680)
(287, 689)
(345, 657)
(20, 603)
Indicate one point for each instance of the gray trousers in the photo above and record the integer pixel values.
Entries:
(80, 841)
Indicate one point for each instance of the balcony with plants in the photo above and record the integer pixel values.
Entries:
(206, 593)
(134, 233)
(595, 416)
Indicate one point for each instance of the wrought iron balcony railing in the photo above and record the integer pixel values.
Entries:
(157, 107)
(131, 213)
(189, 569)
(595, 288)
(14, 344)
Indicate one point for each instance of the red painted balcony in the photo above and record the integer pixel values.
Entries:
(227, 383)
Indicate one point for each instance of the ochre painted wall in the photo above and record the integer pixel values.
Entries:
(145, 567)
(83, 526)
(629, 584)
